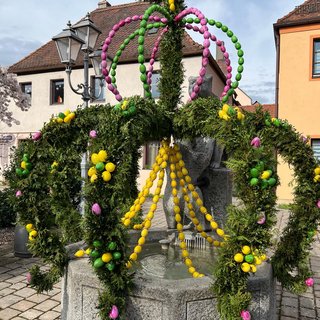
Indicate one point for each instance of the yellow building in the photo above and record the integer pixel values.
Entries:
(297, 37)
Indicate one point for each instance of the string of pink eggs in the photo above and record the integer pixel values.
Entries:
(161, 22)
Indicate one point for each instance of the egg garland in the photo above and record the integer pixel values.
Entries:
(101, 166)
(25, 166)
(65, 117)
(172, 157)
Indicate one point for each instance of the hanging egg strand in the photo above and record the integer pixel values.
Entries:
(25, 166)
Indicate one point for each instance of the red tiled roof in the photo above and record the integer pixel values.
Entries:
(46, 58)
(306, 13)
(271, 108)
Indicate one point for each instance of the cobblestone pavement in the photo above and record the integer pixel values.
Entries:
(19, 302)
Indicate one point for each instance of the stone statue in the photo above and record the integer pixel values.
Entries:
(204, 160)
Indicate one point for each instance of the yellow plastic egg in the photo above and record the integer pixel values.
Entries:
(59, 120)
(79, 253)
(110, 166)
(29, 227)
(133, 256)
(225, 108)
(72, 115)
(88, 251)
(317, 171)
(102, 155)
(33, 233)
(238, 257)
(23, 165)
(93, 178)
(246, 250)
(92, 171)
(106, 176)
(245, 267)
(95, 158)
(106, 257)
(253, 268)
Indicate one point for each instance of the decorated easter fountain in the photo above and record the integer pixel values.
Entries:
(49, 194)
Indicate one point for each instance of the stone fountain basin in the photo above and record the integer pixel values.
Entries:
(158, 298)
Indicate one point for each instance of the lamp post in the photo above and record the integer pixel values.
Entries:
(81, 36)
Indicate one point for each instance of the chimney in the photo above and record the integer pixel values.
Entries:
(103, 4)
(220, 59)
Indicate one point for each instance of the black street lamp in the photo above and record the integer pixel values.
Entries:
(80, 36)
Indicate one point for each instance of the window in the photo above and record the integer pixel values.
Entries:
(96, 89)
(315, 145)
(316, 58)
(150, 152)
(154, 85)
(26, 88)
(57, 91)
(153, 30)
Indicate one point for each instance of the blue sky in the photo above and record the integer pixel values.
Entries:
(26, 25)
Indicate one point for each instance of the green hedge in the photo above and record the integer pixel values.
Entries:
(7, 213)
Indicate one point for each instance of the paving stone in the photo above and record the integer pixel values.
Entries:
(8, 313)
(3, 269)
(286, 318)
(31, 314)
(16, 279)
(23, 305)
(9, 300)
(18, 272)
(26, 292)
(5, 276)
(18, 318)
(306, 302)
(4, 285)
(38, 298)
(58, 285)
(50, 315)
(311, 313)
(289, 312)
(53, 292)
(6, 291)
(57, 297)
(18, 285)
(47, 305)
(13, 265)
(57, 308)
(291, 302)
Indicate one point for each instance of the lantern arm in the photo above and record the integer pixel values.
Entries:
(80, 86)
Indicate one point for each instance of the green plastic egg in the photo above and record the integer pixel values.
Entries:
(100, 166)
(272, 182)
(110, 266)
(112, 246)
(116, 255)
(254, 172)
(94, 254)
(249, 258)
(254, 182)
(97, 244)
(98, 263)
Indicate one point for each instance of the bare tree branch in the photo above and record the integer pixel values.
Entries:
(10, 91)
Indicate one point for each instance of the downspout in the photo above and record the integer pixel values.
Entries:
(277, 38)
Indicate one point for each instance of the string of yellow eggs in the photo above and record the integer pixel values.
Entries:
(172, 6)
(177, 170)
